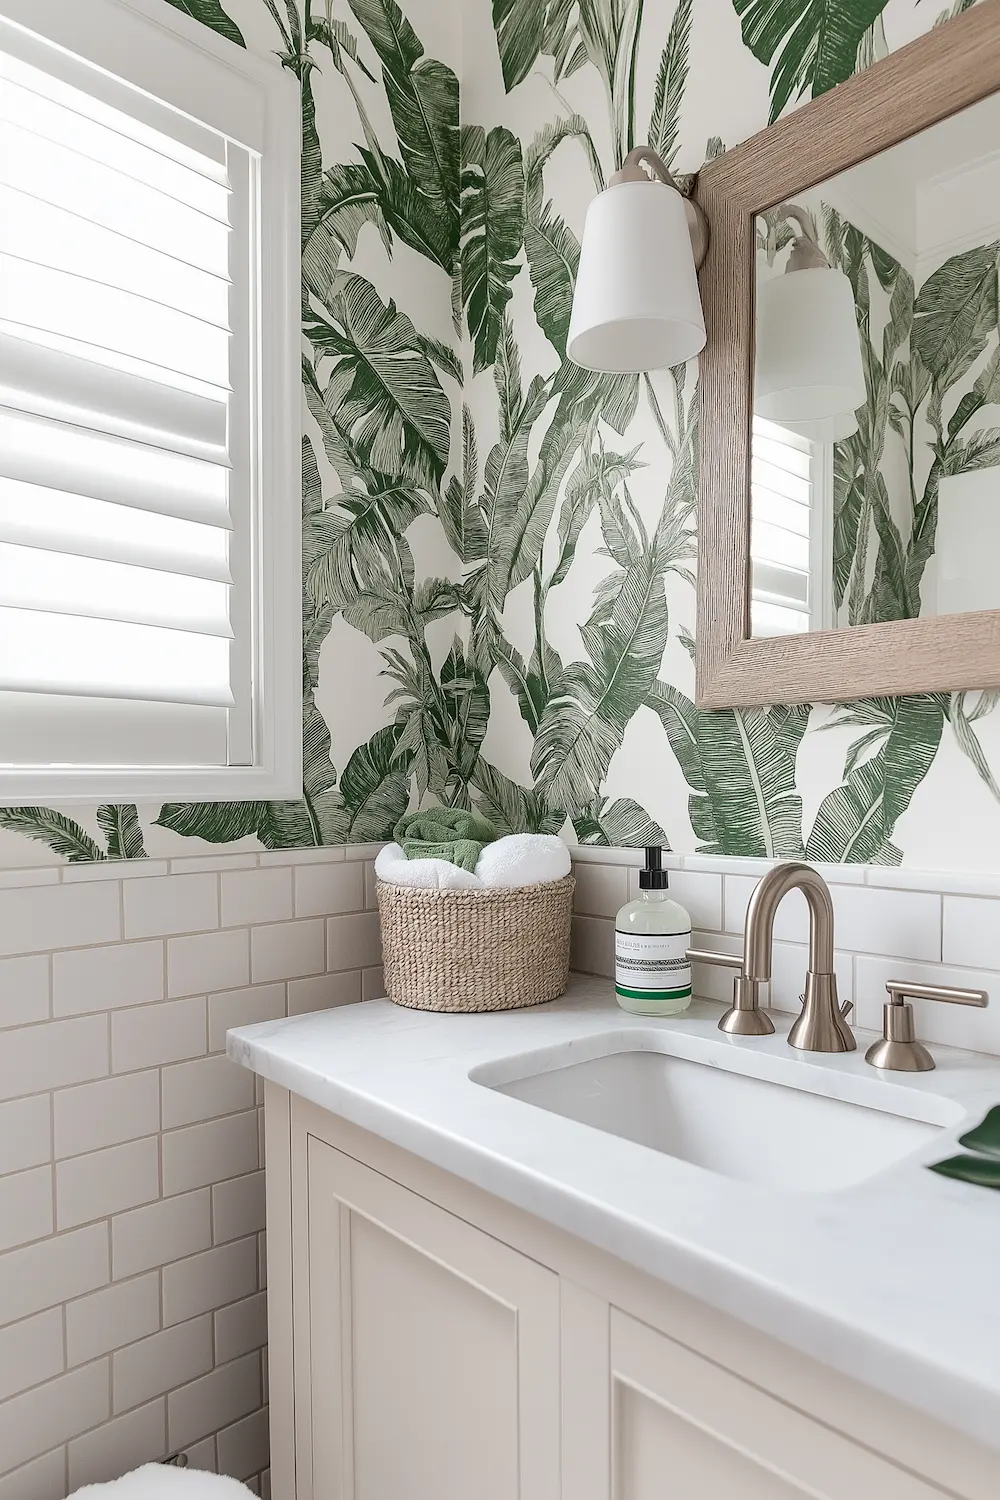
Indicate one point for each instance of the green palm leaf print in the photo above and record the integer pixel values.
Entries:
(63, 835)
(815, 42)
(665, 125)
(210, 13)
(423, 101)
(492, 231)
(387, 398)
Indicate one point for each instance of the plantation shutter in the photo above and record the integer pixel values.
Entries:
(783, 518)
(124, 374)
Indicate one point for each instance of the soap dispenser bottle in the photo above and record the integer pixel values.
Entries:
(652, 938)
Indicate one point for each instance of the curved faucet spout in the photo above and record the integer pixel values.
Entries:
(763, 907)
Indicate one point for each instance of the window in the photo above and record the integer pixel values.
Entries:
(149, 513)
(791, 532)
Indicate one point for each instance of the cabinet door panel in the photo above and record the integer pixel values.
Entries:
(684, 1428)
(434, 1349)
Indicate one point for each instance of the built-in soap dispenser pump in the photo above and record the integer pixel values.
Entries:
(652, 938)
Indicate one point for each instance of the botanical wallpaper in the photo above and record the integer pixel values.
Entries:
(498, 547)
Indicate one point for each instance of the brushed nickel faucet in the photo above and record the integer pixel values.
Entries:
(822, 1026)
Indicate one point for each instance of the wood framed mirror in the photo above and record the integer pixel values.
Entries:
(848, 552)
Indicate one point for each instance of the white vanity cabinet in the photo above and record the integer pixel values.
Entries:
(429, 1342)
(433, 1349)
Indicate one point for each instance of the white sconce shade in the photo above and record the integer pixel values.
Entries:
(826, 429)
(636, 305)
(809, 372)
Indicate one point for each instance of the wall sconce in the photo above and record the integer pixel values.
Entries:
(809, 375)
(636, 306)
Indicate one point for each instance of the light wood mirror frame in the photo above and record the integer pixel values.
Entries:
(950, 68)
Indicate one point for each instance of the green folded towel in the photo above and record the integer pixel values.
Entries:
(445, 833)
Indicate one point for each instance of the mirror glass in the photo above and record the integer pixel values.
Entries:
(876, 427)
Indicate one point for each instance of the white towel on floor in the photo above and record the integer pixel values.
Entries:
(523, 859)
(394, 868)
(164, 1482)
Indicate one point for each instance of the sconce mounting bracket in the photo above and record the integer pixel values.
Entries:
(634, 169)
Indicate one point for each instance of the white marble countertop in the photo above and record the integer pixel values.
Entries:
(894, 1281)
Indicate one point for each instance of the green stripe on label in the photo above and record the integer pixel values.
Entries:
(620, 989)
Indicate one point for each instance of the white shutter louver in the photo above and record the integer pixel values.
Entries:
(116, 410)
(782, 596)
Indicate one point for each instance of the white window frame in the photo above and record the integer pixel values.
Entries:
(260, 108)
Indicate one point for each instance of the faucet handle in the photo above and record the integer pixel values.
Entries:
(744, 1017)
(899, 1049)
(713, 956)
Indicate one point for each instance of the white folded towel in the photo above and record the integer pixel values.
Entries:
(164, 1482)
(394, 868)
(523, 859)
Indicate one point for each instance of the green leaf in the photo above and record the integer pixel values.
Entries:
(210, 13)
(966, 739)
(536, 505)
(750, 780)
(740, 766)
(375, 787)
(979, 451)
(492, 231)
(985, 392)
(545, 142)
(620, 824)
(443, 356)
(985, 1136)
(352, 545)
(505, 480)
(679, 717)
(553, 253)
(388, 401)
(348, 199)
(338, 36)
(981, 1171)
(955, 313)
(597, 475)
(520, 30)
(458, 512)
(311, 156)
(409, 213)
(609, 31)
(467, 705)
(665, 125)
(119, 822)
(423, 102)
(818, 42)
(526, 685)
(856, 821)
(887, 597)
(850, 824)
(378, 615)
(592, 702)
(512, 808)
(216, 822)
(910, 750)
(552, 249)
(62, 834)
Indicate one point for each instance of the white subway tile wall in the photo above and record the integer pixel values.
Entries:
(133, 1320)
(132, 1247)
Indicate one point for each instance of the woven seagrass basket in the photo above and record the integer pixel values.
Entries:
(476, 950)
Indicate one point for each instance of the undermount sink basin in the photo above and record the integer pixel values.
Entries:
(718, 1115)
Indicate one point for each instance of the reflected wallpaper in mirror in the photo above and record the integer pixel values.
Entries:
(876, 428)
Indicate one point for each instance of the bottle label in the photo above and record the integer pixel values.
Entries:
(652, 966)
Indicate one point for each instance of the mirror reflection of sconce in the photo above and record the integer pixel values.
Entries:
(636, 306)
(809, 375)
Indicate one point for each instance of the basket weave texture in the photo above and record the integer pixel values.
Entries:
(476, 950)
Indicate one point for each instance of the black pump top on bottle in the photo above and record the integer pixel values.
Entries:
(654, 876)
